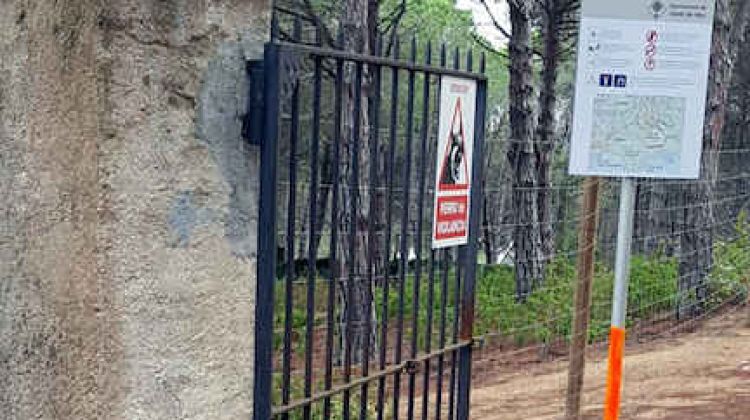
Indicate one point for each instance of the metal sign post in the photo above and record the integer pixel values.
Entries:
(620, 297)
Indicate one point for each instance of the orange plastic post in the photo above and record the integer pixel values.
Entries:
(614, 374)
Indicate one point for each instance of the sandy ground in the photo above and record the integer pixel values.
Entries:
(698, 375)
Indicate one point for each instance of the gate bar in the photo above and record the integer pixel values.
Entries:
(404, 366)
(443, 286)
(412, 66)
(266, 242)
(334, 275)
(467, 304)
(404, 227)
(312, 249)
(393, 138)
(421, 179)
(459, 253)
(286, 363)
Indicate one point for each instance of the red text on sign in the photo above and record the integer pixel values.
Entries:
(452, 217)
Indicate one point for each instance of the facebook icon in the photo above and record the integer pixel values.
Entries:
(605, 80)
(621, 80)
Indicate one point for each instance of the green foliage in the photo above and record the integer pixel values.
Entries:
(730, 278)
(298, 311)
(547, 314)
(653, 286)
(423, 311)
(440, 22)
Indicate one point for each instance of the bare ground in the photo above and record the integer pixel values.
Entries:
(704, 374)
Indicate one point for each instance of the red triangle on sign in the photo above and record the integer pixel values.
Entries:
(454, 172)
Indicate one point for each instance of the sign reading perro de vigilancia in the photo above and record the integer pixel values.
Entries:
(454, 159)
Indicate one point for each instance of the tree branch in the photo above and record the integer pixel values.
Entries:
(487, 46)
(494, 20)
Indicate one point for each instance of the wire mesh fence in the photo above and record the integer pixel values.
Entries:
(531, 338)
(517, 338)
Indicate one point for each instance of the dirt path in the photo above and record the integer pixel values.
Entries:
(690, 376)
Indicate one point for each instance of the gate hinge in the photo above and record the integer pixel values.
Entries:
(252, 124)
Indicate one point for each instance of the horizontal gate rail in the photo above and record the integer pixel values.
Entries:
(404, 366)
(377, 60)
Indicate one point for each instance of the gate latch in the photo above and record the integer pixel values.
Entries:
(411, 367)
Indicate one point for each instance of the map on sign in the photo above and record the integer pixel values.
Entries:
(641, 88)
(637, 133)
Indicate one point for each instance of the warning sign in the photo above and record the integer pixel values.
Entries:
(453, 173)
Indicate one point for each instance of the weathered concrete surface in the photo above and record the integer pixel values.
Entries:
(127, 246)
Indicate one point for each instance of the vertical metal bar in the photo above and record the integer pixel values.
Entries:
(404, 230)
(373, 183)
(420, 226)
(441, 338)
(286, 387)
(620, 298)
(334, 275)
(354, 275)
(266, 242)
(624, 244)
(443, 283)
(428, 335)
(418, 237)
(456, 299)
(460, 255)
(467, 310)
(390, 169)
(312, 251)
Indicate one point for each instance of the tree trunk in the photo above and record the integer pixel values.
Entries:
(546, 130)
(487, 239)
(696, 250)
(526, 236)
(324, 192)
(355, 295)
(661, 216)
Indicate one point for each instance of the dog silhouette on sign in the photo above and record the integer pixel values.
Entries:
(453, 171)
(452, 166)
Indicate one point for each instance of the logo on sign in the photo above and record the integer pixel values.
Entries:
(621, 80)
(657, 8)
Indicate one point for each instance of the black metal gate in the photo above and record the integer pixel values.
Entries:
(347, 171)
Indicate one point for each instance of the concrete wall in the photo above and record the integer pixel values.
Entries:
(127, 244)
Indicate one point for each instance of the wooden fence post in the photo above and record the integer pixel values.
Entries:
(589, 222)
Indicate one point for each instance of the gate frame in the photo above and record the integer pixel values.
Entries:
(265, 108)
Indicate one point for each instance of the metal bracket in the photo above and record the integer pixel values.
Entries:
(252, 124)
